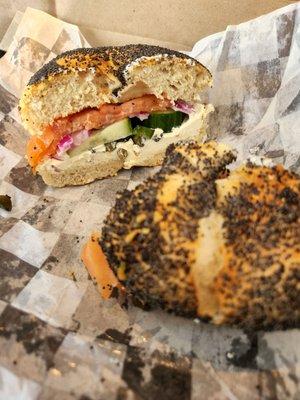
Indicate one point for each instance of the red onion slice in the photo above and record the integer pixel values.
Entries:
(183, 106)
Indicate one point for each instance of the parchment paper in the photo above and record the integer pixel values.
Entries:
(58, 339)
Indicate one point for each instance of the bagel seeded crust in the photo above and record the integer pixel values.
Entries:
(114, 60)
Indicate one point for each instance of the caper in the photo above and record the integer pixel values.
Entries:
(122, 154)
(139, 140)
(110, 146)
(157, 138)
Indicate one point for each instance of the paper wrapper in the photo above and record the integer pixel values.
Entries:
(58, 339)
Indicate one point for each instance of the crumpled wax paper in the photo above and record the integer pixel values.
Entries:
(256, 86)
(58, 338)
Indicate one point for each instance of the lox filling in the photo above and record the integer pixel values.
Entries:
(137, 119)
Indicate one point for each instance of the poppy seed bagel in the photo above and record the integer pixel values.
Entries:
(199, 241)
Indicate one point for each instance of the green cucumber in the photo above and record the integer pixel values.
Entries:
(165, 120)
(113, 132)
(141, 133)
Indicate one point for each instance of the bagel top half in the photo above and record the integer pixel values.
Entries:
(88, 77)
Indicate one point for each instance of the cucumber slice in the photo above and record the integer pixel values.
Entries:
(111, 133)
(135, 121)
(141, 133)
(165, 120)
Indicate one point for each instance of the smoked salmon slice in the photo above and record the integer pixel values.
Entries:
(98, 268)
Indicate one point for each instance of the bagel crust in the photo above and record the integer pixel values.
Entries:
(115, 60)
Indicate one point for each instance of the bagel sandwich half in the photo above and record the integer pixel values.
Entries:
(93, 111)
